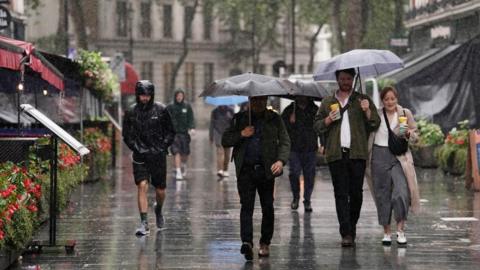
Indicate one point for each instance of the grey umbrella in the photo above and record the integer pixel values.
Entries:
(309, 89)
(249, 84)
(368, 63)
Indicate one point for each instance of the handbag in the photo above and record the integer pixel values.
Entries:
(397, 145)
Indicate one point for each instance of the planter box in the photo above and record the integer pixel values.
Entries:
(424, 157)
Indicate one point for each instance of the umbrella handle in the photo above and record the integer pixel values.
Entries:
(249, 112)
(359, 80)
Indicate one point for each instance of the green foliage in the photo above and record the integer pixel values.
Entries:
(430, 134)
(380, 24)
(382, 83)
(99, 159)
(19, 232)
(97, 75)
(452, 155)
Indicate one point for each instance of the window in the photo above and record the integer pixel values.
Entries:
(146, 71)
(167, 75)
(145, 25)
(167, 21)
(190, 80)
(187, 29)
(261, 69)
(208, 69)
(207, 22)
(122, 18)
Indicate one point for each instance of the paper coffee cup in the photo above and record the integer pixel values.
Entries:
(402, 119)
(334, 107)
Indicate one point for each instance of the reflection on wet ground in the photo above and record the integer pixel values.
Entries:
(203, 226)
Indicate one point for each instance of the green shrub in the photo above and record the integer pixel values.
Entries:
(452, 155)
(430, 134)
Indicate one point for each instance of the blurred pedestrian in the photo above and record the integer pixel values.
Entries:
(346, 119)
(148, 132)
(260, 150)
(298, 118)
(392, 178)
(184, 125)
(219, 121)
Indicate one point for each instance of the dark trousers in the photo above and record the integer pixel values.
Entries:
(347, 178)
(302, 162)
(251, 180)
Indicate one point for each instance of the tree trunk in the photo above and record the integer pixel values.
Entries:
(354, 25)
(76, 10)
(312, 42)
(61, 33)
(184, 54)
(336, 26)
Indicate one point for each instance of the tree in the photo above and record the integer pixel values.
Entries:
(312, 13)
(337, 29)
(185, 46)
(251, 20)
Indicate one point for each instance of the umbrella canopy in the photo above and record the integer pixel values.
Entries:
(370, 63)
(249, 84)
(226, 100)
(309, 89)
(14, 53)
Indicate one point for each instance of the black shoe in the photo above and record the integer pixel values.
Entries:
(247, 251)
(294, 204)
(347, 241)
(159, 217)
(308, 206)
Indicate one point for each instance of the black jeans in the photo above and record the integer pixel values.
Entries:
(251, 180)
(347, 178)
(302, 162)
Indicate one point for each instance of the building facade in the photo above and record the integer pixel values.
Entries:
(149, 33)
(15, 11)
(438, 23)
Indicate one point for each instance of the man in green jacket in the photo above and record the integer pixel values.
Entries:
(346, 119)
(261, 148)
(184, 125)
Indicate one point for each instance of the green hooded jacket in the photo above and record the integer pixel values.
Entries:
(181, 114)
(275, 143)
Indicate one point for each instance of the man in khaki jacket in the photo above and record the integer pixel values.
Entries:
(346, 119)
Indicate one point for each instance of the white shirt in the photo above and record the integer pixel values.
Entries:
(345, 137)
(381, 136)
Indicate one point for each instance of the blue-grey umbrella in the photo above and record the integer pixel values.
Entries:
(368, 63)
(226, 100)
(249, 84)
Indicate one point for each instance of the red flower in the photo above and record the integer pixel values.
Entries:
(2, 235)
(32, 208)
(459, 142)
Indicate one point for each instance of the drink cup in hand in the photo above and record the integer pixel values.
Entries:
(402, 125)
(336, 109)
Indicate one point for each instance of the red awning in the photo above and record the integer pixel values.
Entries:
(131, 78)
(12, 53)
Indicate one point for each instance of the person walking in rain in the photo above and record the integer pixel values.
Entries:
(148, 132)
(219, 121)
(184, 124)
(346, 119)
(392, 178)
(298, 118)
(261, 147)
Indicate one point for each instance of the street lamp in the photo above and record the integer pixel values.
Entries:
(130, 30)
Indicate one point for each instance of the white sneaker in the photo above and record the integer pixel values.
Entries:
(387, 240)
(226, 174)
(178, 175)
(220, 173)
(401, 238)
(142, 229)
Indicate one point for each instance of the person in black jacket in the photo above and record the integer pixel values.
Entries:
(148, 132)
(298, 118)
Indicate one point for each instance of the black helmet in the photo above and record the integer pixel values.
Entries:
(144, 87)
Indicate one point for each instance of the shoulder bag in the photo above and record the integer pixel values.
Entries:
(397, 145)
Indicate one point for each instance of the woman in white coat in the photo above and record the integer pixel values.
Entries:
(392, 178)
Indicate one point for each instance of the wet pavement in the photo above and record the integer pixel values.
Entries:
(202, 220)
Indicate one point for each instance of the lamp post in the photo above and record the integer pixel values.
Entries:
(67, 41)
(130, 31)
(293, 2)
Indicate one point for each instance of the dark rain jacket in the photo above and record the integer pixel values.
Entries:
(302, 136)
(275, 143)
(148, 130)
(182, 115)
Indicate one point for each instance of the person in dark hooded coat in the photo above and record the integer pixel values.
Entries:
(148, 131)
(184, 125)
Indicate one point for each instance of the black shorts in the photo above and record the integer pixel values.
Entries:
(181, 144)
(151, 168)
